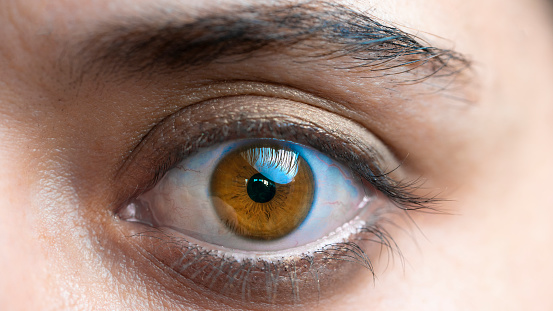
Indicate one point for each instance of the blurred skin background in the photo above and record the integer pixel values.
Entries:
(469, 115)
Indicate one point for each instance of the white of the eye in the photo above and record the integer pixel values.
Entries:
(181, 201)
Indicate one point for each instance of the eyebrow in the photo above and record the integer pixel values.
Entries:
(306, 31)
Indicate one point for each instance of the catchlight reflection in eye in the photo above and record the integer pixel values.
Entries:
(262, 191)
(259, 195)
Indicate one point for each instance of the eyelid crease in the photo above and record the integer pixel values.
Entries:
(212, 90)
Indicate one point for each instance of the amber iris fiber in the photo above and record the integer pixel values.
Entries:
(262, 191)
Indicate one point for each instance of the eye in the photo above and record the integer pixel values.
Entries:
(252, 200)
(262, 195)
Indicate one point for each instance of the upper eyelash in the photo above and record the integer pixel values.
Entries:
(400, 192)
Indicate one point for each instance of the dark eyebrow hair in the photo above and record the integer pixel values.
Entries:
(308, 30)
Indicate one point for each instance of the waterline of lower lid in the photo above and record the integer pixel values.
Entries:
(340, 235)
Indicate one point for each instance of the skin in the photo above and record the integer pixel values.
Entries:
(61, 247)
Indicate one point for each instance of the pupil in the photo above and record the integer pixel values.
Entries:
(261, 189)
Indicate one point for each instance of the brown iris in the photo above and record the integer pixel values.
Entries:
(262, 191)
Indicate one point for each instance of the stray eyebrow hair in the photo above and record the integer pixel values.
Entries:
(304, 31)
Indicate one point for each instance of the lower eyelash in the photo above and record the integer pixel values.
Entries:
(290, 280)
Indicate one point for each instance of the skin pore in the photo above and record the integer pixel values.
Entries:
(85, 110)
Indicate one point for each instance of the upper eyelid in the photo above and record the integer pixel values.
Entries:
(169, 122)
(217, 90)
(364, 153)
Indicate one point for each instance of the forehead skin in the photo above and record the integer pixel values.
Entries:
(493, 252)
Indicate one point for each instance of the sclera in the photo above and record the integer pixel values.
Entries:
(182, 200)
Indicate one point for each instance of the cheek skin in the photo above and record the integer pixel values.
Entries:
(495, 253)
(56, 253)
(17, 242)
(33, 236)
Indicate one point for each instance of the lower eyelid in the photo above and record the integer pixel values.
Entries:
(334, 270)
